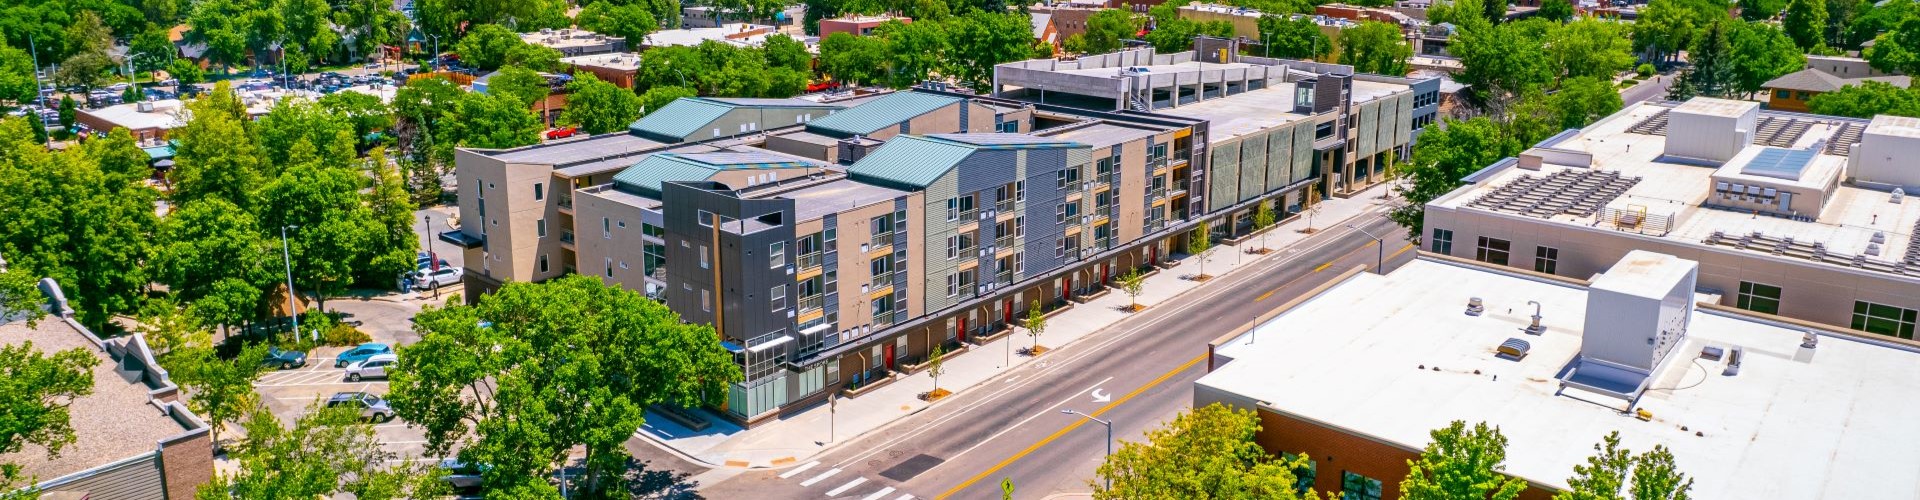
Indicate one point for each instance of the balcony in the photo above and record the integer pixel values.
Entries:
(883, 239)
(809, 261)
(1004, 277)
(812, 303)
(1156, 163)
(1003, 242)
(1103, 212)
(968, 214)
(1004, 206)
(1072, 186)
(1157, 193)
(1181, 155)
(882, 280)
(1102, 243)
(566, 237)
(564, 200)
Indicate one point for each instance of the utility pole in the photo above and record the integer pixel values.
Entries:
(1380, 252)
(293, 308)
(433, 258)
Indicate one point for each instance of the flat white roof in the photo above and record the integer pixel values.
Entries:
(693, 36)
(1898, 126)
(1845, 224)
(1716, 107)
(616, 60)
(1838, 424)
(1240, 114)
(165, 115)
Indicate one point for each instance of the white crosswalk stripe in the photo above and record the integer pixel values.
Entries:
(844, 487)
(797, 470)
(905, 497)
(876, 495)
(822, 477)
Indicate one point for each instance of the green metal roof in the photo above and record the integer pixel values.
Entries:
(910, 162)
(880, 113)
(649, 174)
(680, 118)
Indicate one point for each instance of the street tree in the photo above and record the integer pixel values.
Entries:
(1206, 452)
(294, 121)
(1665, 27)
(1104, 32)
(1176, 34)
(331, 233)
(491, 121)
(1500, 63)
(1443, 156)
(1462, 463)
(1588, 47)
(68, 112)
(1806, 23)
(371, 24)
(658, 97)
(1712, 73)
(1760, 52)
(598, 107)
(1262, 217)
(211, 254)
(1290, 38)
(366, 113)
(523, 85)
(1036, 324)
(35, 391)
(1897, 50)
(186, 72)
(307, 33)
(219, 390)
(16, 75)
(534, 57)
(1583, 100)
(88, 40)
(983, 39)
(486, 46)
(1375, 47)
(151, 50)
(418, 108)
(327, 451)
(934, 368)
(1867, 99)
(1132, 283)
(391, 207)
(216, 157)
(1200, 245)
(535, 370)
(1313, 205)
(630, 20)
(220, 26)
(167, 326)
(1874, 19)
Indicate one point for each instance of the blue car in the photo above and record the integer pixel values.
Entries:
(360, 353)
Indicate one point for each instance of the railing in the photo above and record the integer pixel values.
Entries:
(1004, 206)
(1004, 277)
(812, 303)
(1182, 154)
(883, 239)
(1102, 243)
(882, 280)
(566, 236)
(1157, 193)
(809, 261)
(1103, 211)
(1003, 242)
(1156, 163)
(968, 215)
(565, 200)
(1073, 185)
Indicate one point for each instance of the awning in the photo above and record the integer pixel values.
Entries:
(462, 239)
(161, 152)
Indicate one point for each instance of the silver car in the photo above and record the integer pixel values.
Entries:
(371, 407)
(373, 367)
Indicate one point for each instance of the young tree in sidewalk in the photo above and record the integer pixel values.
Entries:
(1207, 452)
(1262, 217)
(1036, 324)
(518, 391)
(1200, 245)
(35, 389)
(1133, 283)
(935, 370)
(1462, 463)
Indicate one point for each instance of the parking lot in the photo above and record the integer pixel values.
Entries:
(288, 393)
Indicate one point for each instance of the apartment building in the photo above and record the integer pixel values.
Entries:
(1749, 406)
(1788, 214)
(833, 244)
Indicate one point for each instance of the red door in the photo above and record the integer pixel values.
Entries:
(1009, 313)
(889, 349)
(963, 328)
(1066, 288)
(1106, 272)
(1153, 255)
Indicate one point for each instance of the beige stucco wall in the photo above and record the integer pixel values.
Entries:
(615, 245)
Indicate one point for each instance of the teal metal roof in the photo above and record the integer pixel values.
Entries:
(880, 113)
(680, 118)
(910, 162)
(649, 174)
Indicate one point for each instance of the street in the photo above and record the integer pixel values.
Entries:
(1136, 374)
(1655, 89)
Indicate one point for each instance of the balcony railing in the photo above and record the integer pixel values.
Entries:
(812, 303)
(1102, 243)
(1004, 277)
(809, 261)
(1003, 242)
(882, 280)
(1156, 163)
(1073, 185)
(883, 239)
(565, 200)
(1157, 193)
(1182, 154)
(566, 236)
(1004, 206)
(1103, 212)
(968, 214)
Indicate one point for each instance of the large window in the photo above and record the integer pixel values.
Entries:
(882, 271)
(883, 310)
(1546, 259)
(1758, 297)
(1885, 320)
(778, 297)
(1443, 241)
(1492, 250)
(959, 245)
(1358, 487)
(777, 255)
(960, 207)
(655, 260)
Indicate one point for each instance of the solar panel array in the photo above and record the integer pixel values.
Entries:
(1574, 192)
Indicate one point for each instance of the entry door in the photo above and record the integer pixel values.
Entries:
(889, 356)
(1009, 311)
(1066, 288)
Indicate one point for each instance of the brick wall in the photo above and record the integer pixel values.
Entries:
(1334, 451)
(186, 463)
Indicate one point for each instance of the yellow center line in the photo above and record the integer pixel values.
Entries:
(1322, 267)
(1402, 250)
(1070, 427)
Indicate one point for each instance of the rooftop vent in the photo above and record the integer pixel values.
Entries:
(1514, 349)
(1637, 313)
(1536, 328)
(1475, 306)
(1899, 195)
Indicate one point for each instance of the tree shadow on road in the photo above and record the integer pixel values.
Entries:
(659, 484)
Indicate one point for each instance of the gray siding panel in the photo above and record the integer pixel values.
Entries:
(1223, 175)
(937, 229)
(1253, 166)
(135, 479)
(1369, 126)
(1403, 133)
(1302, 151)
(1279, 158)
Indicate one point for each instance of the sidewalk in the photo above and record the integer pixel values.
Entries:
(793, 439)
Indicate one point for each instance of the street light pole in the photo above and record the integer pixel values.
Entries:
(1109, 426)
(433, 257)
(1380, 253)
(293, 308)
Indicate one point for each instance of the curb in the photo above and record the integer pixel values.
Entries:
(791, 461)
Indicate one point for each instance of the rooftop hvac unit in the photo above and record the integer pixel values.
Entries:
(1514, 348)
(1898, 195)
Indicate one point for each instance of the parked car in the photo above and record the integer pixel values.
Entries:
(373, 367)
(447, 275)
(361, 353)
(285, 359)
(562, 133)
(371, 407)
(463, 477)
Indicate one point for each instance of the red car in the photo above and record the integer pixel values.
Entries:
(562, 133)
(817, 87)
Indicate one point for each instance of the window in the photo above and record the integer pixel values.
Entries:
(833, 371)
(705, 218)
(1545, 259)
(539, 191)
(1009, 127)
(778, 297)
(883, 310)
(1492, 251)
(540, 228)
(654, 260)
(1067, 178)
(650, 230)
(1885, 320)
(1757, 297)
(959, 245)
(1019, 190)
(882, 270)
(543, 262)
(1322, 131)
(1782, 94)
(704, 263)
(777, 255)
(609, 271)
(706, 300)
(1358, 487)
(606, 228)
(1443, 241)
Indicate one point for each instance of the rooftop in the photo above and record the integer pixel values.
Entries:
(113, 423)
(1793, 423)
(817, 200)
(649, 173)
(624, 61)
(1716, 107)
(560, 153)
(1100, 134)
(1682, 192)
(915, 161)
(567, 37)
(688, 115)
(165, 114)
(742, 34)
(886, 111)
(1814, 80)
(1243, 113)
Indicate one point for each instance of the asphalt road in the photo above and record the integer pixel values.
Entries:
(1657, 90)
(1136, 374)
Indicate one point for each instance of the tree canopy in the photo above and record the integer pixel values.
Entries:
(1375, 47)
(327, 451)
(1444, 155)
(1206, 452)
(83, 216)
(516, 391)
(1615, 473)
(1866, 100)
(1105, 30)
(598, 107)
(1290, 38)
(35, 388)
(1462, 463)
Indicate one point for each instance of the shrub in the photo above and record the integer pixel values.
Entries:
(1644, 70)
(342, 334)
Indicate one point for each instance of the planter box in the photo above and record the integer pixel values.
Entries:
(682, 417)
(1085, 298)
(875, 384)
(990, 336)
(911, 369)
(1049, 314)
